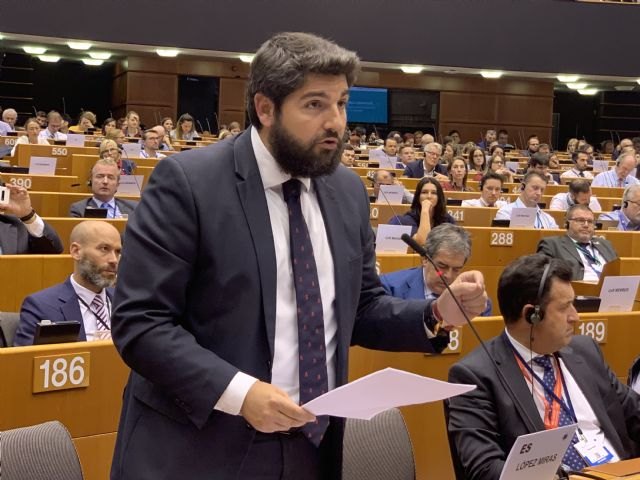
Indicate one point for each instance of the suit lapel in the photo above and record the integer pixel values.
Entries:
(571, 249)
(254, 204)
(505, 359)
(8, 238)
(70, 308)
(589, 386)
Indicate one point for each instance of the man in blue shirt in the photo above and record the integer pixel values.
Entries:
(618, 176)
(628, 217)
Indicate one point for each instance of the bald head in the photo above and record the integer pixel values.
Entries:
(426, 139)
(90, 230)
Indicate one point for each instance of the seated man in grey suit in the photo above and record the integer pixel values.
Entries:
(105, 178)
(86, 295)
(449, 246)
(21, 228)
(585, 253)
(536, 351)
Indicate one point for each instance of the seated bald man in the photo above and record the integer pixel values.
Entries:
(87, 294)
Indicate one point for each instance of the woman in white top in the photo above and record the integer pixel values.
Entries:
(32, 128)
(185, 130)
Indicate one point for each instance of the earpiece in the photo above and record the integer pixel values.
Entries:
(625, 204)
(535, 315)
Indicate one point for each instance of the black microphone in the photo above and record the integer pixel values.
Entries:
(423, 253)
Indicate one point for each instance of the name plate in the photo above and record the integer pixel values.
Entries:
(594, 328)
(61, 372)
(501, 239)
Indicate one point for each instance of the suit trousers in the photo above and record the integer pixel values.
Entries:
(281, 456)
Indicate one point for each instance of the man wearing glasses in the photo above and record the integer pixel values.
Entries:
(628, 217)
(429, 167)
(584, 252)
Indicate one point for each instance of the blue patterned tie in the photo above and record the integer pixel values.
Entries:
(311, 342)
(571, 458)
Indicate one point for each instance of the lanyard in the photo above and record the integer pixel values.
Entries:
(560, 385)
(94, 313)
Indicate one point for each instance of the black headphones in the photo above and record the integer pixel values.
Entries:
(625, 204)
(534, 315)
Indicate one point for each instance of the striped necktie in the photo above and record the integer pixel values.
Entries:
(103, 323)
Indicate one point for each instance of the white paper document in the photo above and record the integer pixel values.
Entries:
(389, 238)
(618, 293)
(512, 166)
(130, 185)
(75, 140)
(366, 397)
(42, 165)
(523, 217)
(131, 150)
(538, 455)
(390, 194)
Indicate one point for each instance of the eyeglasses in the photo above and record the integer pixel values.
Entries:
(584, 221)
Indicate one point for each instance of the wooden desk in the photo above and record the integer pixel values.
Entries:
(90, 414)
(426, 422)
(62, 153)
(64, 225)
(43, 183)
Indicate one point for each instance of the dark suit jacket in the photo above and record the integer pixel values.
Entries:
(409, 284)
(15, 238)
(484, 423)
(58, 304)
(415, 169)
(563, 247)
(125, 206)
(196, 303)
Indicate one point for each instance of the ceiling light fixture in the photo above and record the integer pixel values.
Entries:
(167, 52)
(246, 58)
(49, 58)
(34, 50)
(624, 88)
(491, 73)
(568, 78)
(413, 69)
(79, 45)
(588, 91)
(92, 61)
(100, 55)
(577, 86)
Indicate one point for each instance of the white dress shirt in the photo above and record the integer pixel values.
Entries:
(479, 202)
(560, 201)
(610, 179)
(285, 358)
(591, 272)
(587, 420)
(46, 134)
(575, 173)
(543, 219)
(89, 320)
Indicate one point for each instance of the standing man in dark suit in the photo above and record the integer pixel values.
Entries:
(585, 253)
(244, 305)
(86, 295)
(105, 178)
(22, 230)
(538, 350)
(429, 166)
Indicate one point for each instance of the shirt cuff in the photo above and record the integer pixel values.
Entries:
(233, 397)
(35, 228)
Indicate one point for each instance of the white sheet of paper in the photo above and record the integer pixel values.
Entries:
(600, 165)
(388, 238)
(379, 391)
(42, 165)
(390, 194)
(618, 293)
(75, 140)
(523, 217)
(130, 184)
(538, 455)
(384, 161)
(131, 150)
(512, 166)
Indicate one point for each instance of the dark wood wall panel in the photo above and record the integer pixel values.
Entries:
(535, 111)
(467, 107)
(231, 104)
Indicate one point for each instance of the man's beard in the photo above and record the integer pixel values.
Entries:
(93, 274)
(300, 160)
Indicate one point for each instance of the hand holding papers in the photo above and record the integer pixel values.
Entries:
(366, 397)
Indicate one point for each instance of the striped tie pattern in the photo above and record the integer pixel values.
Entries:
(98, 308)
(311, 342)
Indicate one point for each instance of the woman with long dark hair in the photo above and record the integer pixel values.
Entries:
(428, 210)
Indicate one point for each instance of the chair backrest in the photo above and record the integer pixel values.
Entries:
(40, 452)
(378, 449)
(8, 325)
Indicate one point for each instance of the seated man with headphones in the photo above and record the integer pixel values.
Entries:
(579, 193)
(585, 253)
(555, 378)
(104, 181)
(580, 161)
(620, 175)
(531, 191)
(628, 217)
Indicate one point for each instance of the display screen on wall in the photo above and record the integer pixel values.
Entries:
(367, 105)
